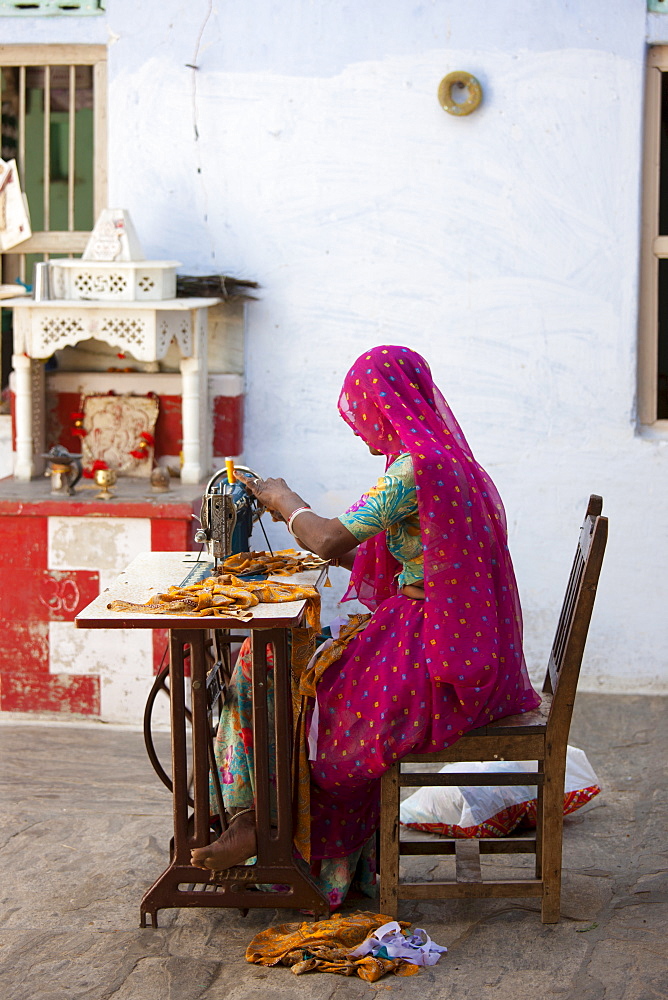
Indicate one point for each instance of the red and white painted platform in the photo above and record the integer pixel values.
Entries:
(56, 555)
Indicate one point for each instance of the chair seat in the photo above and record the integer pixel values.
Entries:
(534, 721)
(508, 736)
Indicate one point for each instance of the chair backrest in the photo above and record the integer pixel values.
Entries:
(563, 667)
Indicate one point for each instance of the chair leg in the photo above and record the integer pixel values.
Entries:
(389, 842)
(551, 835)
(539, 825)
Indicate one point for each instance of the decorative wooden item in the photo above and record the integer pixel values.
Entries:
(114, 238)
(14, 221)
(120, 431)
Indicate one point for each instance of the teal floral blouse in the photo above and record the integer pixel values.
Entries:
(391, 506)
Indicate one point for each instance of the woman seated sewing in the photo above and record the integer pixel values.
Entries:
(440, 655)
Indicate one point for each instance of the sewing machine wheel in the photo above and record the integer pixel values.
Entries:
(161, 683)
(219, 671)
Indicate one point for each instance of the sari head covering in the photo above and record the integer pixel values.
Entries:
(472, 631)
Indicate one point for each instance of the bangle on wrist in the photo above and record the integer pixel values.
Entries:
(300, 510)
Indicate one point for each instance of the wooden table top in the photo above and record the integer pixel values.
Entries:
(153, 572)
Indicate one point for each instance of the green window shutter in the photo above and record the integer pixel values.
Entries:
(658, 6)
(40, 8)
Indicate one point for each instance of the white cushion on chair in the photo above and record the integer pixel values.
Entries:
(492, 810)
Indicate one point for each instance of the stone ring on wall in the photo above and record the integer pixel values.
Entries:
(462, 81)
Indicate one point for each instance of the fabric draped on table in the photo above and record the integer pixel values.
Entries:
(226, 596)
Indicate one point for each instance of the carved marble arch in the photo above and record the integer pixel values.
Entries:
(174, 327)
(56, 332)
(144, 334)
(129, 333)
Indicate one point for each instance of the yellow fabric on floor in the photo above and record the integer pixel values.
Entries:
(323, 946)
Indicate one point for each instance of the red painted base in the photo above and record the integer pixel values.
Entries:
(32, 594)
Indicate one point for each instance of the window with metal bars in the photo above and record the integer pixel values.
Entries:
(653, 327)
(54, 106)
(40, 8)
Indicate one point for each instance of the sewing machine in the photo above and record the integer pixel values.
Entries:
(228, 514)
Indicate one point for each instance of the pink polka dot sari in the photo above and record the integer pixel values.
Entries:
(423, 672)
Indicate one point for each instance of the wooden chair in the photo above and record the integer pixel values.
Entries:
(540, 735)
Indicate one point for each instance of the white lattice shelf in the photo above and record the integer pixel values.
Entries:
(144, 329)
(134, 280)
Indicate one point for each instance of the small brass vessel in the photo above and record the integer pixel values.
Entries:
(160, 479)
(105, 478)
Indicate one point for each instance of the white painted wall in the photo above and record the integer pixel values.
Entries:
(504, 246)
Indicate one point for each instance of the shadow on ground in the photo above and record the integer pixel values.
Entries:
(85, 828)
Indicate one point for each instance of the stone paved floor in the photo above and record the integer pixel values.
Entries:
(84, 828)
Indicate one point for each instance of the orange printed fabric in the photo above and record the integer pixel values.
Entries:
(225, 596)
(304, 687)
(309, 680)
(499, 825)
(324, 946)
(572, 801)
(519, 815)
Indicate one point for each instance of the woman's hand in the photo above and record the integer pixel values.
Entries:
(274, 494)
(325, 536)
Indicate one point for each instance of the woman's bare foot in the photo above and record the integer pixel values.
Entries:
(236, 845)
